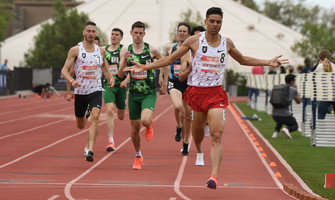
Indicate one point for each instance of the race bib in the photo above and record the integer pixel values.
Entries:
(90, 72)
(176, 69)
(113, 69)
(211, 64)
(140, 75)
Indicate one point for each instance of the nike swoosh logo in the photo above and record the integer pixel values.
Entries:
(115, 53)
(219, 51)
(145, 56)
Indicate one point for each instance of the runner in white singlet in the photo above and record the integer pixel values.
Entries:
(88, 60)
(207, 97)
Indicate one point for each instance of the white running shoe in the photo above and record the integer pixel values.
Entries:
(200, 159)
(207, 133)
(85, 151)
(275, 134)
(286, 133)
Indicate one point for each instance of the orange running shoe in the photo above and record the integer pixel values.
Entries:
(212, 182)
(110, 147)
(149, 132)
(138, 163)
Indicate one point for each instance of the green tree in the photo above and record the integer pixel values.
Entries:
(5, 16)
(316, 37)
(55, 39)
(190, 17)
(249, 3)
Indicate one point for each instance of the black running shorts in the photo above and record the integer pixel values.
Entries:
(82, 102)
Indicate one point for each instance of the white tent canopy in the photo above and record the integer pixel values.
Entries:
(253, 34)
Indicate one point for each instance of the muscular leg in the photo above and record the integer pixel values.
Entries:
(198, 125)
(135, 134)
(187, 123)
(216, 124)
(93, 131)
(120, 113)
(146, 117)
(176, 97)
(110, 119)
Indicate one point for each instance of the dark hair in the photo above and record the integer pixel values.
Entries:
(307, 62)
(197, 28)
(97, 38)
(185, 24)
(90, 23)
(138, 24)
(214, 11)
(119, 30)
(289, 78)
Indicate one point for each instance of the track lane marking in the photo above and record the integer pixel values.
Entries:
(67, 189)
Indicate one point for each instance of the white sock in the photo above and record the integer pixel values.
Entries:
(111, 140)
(138, 154)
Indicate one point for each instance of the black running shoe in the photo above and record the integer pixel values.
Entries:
(185, 149)
(89, 156)
(88, 112)
(177, 136)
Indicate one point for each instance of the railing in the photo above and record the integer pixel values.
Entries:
(312, 87)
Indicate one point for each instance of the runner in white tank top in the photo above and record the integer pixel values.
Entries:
(208, 63)
(207, 95)
(88, 70)
(89, 62)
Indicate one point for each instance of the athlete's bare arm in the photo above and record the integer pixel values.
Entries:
(68, 86)
(185, 67)
(246, 60)
(105, 69)
(157, 55)
(190, 43)
(71, 57)
(124, 54)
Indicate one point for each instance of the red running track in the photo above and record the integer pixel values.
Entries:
(42, 157)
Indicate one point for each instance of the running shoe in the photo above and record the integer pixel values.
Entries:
(177, 136)
(212, 182)
(110, 147)
(275, 134)
(207, 133)
(89, 156)
(185, 149)
(200, 160)
(85, 151)
(286, 133)
(138, 163)
(149, 132)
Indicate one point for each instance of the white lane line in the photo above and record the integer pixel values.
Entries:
(67, 189)
(30, 116)
(28, 109)
(53, 197)
(32, 129)
(272, 174)
(280, 158)
(176, 185)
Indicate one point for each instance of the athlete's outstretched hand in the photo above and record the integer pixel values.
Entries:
(136, 68)
(276, 62)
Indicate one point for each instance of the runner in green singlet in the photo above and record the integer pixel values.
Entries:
(142, 89)
(116, 95)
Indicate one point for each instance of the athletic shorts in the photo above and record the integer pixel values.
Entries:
(175, 84)
(115, 95)
(136, 103)
(202, 99)
(186, 94)
(81, 102)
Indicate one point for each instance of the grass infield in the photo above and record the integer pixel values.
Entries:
(309, 162)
